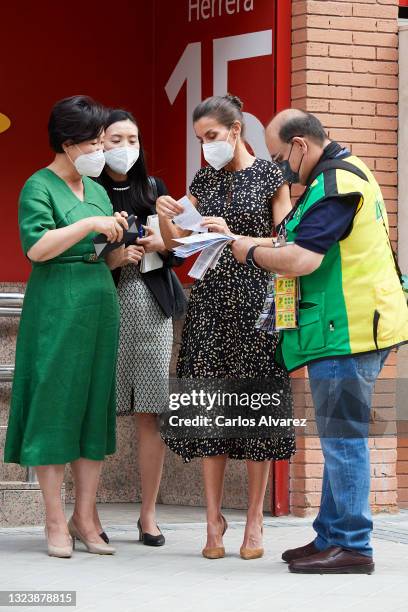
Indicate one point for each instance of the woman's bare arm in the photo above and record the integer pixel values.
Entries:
(56, 241)
(281, 204)
(167, 208)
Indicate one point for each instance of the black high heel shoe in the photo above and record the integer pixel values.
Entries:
(104, 537)
(148, 539)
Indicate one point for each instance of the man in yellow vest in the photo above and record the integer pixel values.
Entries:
(352, 311)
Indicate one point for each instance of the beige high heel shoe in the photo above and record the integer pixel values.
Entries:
(63, 552)
(216, 552)
(92, 547)
(251, 553)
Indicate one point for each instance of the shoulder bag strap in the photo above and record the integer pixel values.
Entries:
(153, 187)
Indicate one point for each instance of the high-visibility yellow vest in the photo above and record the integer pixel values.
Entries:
(353, 303)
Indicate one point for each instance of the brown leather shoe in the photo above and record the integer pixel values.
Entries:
(333, 560)
(299, 553)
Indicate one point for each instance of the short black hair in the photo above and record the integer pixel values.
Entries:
(303, 124)
(74, 120)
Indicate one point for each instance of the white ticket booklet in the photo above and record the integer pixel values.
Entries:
(151, 261)
(211, 245)
(208, 258)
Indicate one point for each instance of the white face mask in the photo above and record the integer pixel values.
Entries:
(121, 159)
(218, 153)
(89, 164)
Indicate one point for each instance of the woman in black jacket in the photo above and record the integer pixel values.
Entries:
(146, 308)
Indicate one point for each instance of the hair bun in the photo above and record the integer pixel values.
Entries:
(235, 100)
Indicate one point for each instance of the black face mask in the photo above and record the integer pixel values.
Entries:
(289, 175)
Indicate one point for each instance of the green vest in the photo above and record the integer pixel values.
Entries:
(353, 303)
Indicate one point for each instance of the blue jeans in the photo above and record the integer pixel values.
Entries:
(342, 390)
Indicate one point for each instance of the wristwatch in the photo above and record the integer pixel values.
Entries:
(249, 260)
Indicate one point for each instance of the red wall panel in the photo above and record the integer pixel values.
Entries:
(251, 78)
(50, 50)
(125, 57)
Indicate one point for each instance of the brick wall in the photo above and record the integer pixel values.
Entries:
(345, 70)
(402, 465)
(402, 472)
(402, 427)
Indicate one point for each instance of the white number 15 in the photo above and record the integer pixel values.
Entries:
(188, 69)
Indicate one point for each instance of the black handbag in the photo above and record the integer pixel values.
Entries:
(177, 292)
(176, 289)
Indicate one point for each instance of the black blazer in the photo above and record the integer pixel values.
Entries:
(159, 281)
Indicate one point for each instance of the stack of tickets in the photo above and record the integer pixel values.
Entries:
(286, 302)
(280, 309)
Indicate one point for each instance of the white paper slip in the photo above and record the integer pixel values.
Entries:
(151, 261)
(218, 254)
(186, 250)
(199, 242)
(207, 259)
(211, 246)
(209, 238)
(190, 218)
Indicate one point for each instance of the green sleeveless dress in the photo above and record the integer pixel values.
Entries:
(63, 395)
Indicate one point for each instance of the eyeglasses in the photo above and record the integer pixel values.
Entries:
(278, 156)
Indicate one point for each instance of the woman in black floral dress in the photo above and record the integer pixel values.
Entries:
(242, 195)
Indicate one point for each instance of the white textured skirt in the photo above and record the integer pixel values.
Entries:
(145, 346)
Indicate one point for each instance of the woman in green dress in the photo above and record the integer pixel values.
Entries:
(63, 396)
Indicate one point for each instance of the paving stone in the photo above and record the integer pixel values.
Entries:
(176, 576)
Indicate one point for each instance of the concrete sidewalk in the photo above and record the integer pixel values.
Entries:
(176, 577)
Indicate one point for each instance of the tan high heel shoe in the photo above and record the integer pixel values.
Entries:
(63, 552)
(92, 547)
(216, 552)
(251, 553)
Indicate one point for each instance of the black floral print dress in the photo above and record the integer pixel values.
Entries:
(219, 338)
